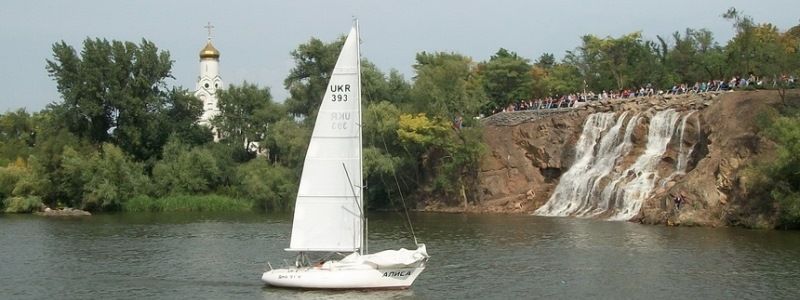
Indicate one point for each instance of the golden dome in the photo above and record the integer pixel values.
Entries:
(209, 51)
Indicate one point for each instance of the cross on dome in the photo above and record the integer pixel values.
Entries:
(209, 27)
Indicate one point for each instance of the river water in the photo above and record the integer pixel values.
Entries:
(222, 256)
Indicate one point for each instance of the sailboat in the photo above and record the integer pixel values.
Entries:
(329, 216)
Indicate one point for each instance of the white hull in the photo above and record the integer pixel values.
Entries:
(364, 277)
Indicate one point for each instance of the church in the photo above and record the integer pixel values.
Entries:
(208, 83)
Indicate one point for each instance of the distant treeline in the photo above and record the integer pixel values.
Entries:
(121, 139)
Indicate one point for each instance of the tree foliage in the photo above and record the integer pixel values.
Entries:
(778, 180)
(186, 171)
(314, 62)
(507, 77)
(446, 84)
(116, 92)
(270, 187)
(119, 131)
(245, 115)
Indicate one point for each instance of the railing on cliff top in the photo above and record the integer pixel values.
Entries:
(520, 116)
(511, 118)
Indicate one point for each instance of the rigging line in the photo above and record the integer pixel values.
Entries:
(360, 210)
(355, 196)
(402, 199)
(394, 175)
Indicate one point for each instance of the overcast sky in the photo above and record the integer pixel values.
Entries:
(255, 37)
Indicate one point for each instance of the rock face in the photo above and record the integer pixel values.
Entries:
(66, 212)
(708, 140)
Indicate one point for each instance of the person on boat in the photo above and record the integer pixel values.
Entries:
(319, 264)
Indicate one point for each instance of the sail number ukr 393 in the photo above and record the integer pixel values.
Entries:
(339, 92)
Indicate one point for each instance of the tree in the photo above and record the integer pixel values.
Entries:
(545, 61)
(17, 136)
(446, 84)
(314, 63)
(762, 50)
(180, 119)
(741, 49)
(775, 184)
(116, 92)
(102, 180)
(507, 78)
(615, 63)
(287, 142)
(270, 187)
(245, 115)
(184, 170)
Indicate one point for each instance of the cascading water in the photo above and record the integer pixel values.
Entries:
(595, 125)
(574, 192)
(592, 187)
(683, 153)
(625, 147)
(633, 185)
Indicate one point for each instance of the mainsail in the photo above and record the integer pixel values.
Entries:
(328, 211)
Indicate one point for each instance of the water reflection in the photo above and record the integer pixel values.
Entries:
(280, 293)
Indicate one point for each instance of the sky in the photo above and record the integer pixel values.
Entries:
(255, 38)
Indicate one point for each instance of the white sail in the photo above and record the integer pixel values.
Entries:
(328, 211)
(328, 215)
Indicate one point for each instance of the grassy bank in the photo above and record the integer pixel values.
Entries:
(179, 203)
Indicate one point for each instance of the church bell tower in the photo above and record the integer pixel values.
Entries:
(208, 83)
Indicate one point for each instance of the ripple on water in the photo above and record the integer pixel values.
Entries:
(473, 257)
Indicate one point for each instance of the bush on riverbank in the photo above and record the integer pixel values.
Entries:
(184, 203)
(777, 181)
(22, 204)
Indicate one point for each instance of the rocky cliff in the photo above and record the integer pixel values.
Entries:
(627, 159)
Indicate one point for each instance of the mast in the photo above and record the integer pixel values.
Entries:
(360, 143)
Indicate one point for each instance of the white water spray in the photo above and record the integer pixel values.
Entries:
(592, 187)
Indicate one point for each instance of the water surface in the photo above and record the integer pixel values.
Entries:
(222, 256)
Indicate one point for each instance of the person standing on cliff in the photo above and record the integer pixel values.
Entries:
(680, 200)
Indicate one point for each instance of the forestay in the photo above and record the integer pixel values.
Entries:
(328, 210)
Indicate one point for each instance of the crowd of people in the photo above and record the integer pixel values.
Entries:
(578, 99)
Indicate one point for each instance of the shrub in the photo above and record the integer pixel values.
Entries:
(22, 204)
(102, 180)
(9, 176)
(186, 171)
(268, 186)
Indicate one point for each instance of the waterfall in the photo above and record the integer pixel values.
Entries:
(594, 186)
(683, 155)
(625, 147)
(631, 188)
(573, 193)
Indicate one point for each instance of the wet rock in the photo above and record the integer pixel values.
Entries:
(529, 151)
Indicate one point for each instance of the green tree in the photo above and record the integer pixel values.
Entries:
(245, 115)
(185, 170)
(47, 178)
(270, 187)
(742, 48)
(17, 136)
(116, 92)
(287, 142)
(777, 181)
(447, 84)
(101, 180)
(506, 78)
(306, 82)
(615, 63)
